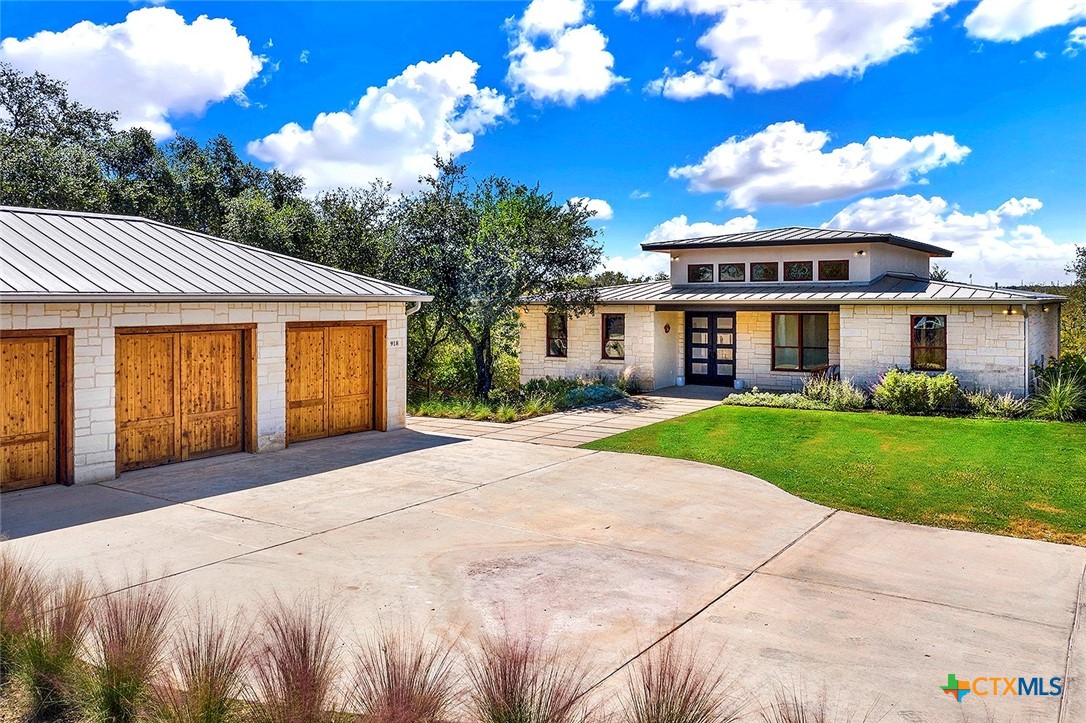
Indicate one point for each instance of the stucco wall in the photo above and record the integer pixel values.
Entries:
(985, 347)
(669, 347)
(1044, 333)
(584, 353)
(754, 352)
(94, 380)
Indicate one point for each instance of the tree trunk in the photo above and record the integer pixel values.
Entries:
(484, 365)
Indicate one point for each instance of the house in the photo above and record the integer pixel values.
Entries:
(769, 308)
(128, 343)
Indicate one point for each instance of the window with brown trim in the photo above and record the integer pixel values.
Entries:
(766, 271)
(836, 270)
(731, 272)
(557, 335)
(801, 342)
(798, 271)
(699, 274)
(928, 352)
(614, 336)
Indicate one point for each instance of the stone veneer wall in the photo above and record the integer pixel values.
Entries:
(754, 352)
(585, 335)
(985, 347)
(94, 372)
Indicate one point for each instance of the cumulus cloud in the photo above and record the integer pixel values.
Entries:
(771, 44)
(786, 163)
(556, 57)
(650, 263)
(1012, 20)
(150, 68)
(603, 210)
(991, 246)
(393, 132)
(1076, 41)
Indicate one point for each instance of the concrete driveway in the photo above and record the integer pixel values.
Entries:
(604, 552)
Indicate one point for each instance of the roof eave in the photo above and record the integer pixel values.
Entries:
(111, 298)
(683, 244)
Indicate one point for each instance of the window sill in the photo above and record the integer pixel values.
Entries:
(613, 359)
(554, 356)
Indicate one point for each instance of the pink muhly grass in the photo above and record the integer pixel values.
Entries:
(669, 684)
(21, 591)
(401, 678)
(792, 705)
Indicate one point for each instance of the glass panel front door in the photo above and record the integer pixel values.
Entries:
(710, 348)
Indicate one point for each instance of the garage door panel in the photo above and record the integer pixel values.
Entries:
(146, 400)
(147, 444)
(28, 420)
(330, 380)
(211, 409)
(306, 406)
(350, 375)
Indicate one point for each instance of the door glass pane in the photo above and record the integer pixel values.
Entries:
(699, 337)
(699, 352)
(787, 358)
(724, 339)
(699, 368)
(724, 323)
(816, 330)
(724, 354)
(814, 357)
(786, 330)
(724, 370)
(699, 322)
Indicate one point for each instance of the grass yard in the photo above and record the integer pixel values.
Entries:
(1020, 478)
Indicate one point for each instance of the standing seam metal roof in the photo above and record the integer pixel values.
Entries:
(61, 255)
(793, 236)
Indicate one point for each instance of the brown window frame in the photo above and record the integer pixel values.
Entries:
(800, 349)
(913, 346)
(603, 337)
(741, 265)
(564, 337)
(690, 273)
(776, 272)
(784, 272)
(848, 271)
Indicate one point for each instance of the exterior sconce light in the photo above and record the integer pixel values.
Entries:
(1013, 311)
(861, 252)
(1006, 311)
(1044, 309)
(667, 328)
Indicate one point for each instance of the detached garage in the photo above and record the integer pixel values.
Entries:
(127, 343)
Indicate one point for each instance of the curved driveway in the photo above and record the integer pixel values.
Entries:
(602, 551)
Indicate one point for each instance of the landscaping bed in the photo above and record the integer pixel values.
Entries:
(531, 399)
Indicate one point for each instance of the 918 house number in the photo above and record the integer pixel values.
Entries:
(393, 342)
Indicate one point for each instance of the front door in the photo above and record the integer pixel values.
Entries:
(710, 348)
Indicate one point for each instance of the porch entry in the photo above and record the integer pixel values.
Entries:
(710, 348)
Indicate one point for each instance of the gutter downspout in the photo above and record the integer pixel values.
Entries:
(416, 306)
(1025, 348)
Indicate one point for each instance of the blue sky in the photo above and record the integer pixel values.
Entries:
(962, 124)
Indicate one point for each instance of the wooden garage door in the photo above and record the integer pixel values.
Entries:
(29, 434)
(179, 396)
(330, 381)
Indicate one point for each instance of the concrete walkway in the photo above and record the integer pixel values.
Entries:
(606, 553)
(587, 424)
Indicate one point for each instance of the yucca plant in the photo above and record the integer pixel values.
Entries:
(295, 667)
(514, 680)
(670, 684)
(128, 641)
(400, 678)
(207, 679)
(21, 590)
(47, 658)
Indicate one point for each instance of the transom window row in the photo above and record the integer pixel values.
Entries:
(832, 270)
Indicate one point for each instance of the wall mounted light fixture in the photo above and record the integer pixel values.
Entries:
(861, 252)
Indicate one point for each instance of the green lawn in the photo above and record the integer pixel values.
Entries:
(1021, 478)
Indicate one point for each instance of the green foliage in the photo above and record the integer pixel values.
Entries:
(21, 591)
(755, 398)
(840, 395)
(1061, 398)
(904, 392)
(1002, 406)
(534, 398)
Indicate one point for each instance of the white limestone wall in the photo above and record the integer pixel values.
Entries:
(754, 352)
(985, 347)
(94, 352)
(585, 334)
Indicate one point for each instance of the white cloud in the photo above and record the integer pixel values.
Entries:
(150, 68)
(989, 245)
(637, 194)
(393, 132)
(645, 263)
(603, 210)
(785, 163)
(556, 57)
(771, 44)
(303, 57)
(679, 227)
(1012, 20)
(1076, 40)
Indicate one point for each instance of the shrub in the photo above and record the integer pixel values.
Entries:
(128, 632)
(945, 393)
(21, 588)
(295, 668)
(513, 680)
(1060, 398)
(207, 680)
(398, 678)
(988, 404)
(47, 658)
(627, 382)
(668, 684)
(905, 392)
(506, 413)
(536, 405)
(755, 398)
(840, 394)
